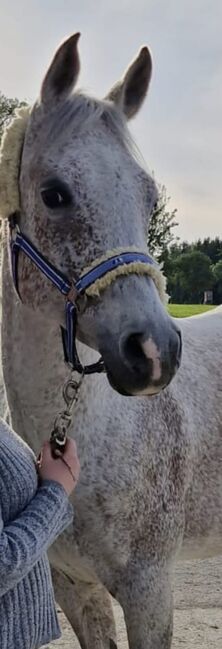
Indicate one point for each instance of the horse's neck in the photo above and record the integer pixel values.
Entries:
(33, 366)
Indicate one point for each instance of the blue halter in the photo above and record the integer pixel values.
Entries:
(72, 291)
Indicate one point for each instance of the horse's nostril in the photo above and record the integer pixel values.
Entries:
(133, 354)
(133, 348)
(149, 357)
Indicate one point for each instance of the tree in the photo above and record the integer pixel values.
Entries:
(161, 225)
(7, 108)
(211, 247)
(191, 274)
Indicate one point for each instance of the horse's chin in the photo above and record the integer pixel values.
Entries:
(115, 385)
(150, 391)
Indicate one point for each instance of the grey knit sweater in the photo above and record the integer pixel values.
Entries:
(30, 520)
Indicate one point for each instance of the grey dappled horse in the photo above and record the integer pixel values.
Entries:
(151, 466)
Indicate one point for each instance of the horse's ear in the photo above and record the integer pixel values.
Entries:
(63, 71)
(130, 92)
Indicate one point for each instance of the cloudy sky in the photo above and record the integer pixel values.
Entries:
(179, 129)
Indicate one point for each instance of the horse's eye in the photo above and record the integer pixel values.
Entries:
(55, 197)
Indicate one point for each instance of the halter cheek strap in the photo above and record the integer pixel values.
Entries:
(19, 242)
(72, 291)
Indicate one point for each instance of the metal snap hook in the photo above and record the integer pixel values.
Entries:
(63, 420)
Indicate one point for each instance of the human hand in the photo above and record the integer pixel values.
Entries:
(64, 470)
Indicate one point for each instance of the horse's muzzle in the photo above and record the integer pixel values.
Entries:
(141, 363)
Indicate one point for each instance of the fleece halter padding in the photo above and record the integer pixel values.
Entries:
(10, 159)
(136, 267)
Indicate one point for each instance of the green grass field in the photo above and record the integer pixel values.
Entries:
(186, 310)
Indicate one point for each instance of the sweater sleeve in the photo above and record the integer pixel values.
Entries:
(25, 539)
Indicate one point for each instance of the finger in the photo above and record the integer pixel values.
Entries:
(46, 451)
(70, 443)
(70, 448)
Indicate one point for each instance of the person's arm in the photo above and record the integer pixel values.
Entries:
(24, 540)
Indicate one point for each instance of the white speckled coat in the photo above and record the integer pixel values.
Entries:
(151, 478)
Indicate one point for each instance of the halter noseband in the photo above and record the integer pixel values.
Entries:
(71, 290)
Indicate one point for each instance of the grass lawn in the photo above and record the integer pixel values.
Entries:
(185, 310)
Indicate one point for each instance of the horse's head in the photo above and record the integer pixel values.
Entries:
(83, 193)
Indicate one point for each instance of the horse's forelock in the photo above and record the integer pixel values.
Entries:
(80, 113)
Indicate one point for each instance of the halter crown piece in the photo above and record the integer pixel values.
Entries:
(93, 280)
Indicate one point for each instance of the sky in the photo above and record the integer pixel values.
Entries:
(179, 128)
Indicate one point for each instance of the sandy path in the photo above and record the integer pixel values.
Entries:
(198, 610)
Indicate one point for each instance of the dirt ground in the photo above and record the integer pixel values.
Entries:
(198, 610)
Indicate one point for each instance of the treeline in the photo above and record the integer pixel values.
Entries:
(193, 268)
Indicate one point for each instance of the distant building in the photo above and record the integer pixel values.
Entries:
(208, 297)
